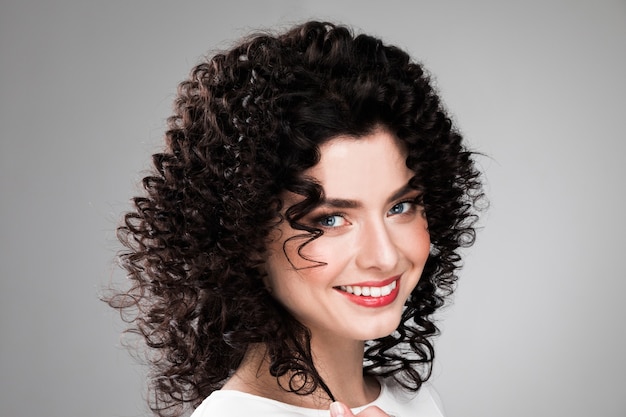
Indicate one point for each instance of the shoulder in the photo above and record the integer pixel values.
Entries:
(231, 403)
(227, 403)
(397, 401)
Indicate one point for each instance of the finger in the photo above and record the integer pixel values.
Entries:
(338, 409)
(372, 411)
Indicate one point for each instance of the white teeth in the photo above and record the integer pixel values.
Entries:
(369, 291)
(386, 290)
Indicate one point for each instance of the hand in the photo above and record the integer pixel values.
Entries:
(338, 409)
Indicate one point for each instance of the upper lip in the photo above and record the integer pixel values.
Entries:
(373, 283)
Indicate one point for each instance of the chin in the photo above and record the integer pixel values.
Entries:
(381, 331)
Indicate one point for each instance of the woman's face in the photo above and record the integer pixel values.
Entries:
(373, 249)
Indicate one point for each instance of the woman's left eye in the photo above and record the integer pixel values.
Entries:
(401, 208)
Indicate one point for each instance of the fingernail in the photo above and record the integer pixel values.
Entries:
(336, 410)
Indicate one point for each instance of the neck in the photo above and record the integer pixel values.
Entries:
(340, 367)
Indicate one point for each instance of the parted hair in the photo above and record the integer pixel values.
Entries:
(246, 124)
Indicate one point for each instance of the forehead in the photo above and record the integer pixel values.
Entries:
(355, 165)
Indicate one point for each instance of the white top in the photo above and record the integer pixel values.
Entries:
(393, 400)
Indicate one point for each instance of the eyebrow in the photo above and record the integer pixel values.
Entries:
(341, 203)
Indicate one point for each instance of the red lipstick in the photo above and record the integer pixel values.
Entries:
(372, 294)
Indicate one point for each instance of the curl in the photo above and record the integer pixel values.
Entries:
(246, 124)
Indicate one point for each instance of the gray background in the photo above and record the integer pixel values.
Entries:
(539, 86)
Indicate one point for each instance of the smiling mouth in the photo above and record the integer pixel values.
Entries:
(363, 291)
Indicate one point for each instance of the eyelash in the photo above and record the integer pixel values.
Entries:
(413, 205)
(321, 218)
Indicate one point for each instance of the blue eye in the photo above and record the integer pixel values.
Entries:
(332, 221)
(400, 208)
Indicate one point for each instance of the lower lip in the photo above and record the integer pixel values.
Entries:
(367, 301)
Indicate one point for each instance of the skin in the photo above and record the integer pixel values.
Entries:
(374, 233)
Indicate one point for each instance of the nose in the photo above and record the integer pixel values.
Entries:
(377, 249)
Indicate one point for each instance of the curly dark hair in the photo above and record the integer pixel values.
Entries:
(246, 124)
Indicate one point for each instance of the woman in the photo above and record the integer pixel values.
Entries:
(299, 231)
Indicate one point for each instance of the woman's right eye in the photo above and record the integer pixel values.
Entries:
(334, 220)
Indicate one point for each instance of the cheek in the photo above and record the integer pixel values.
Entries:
(298, 275)
(288, 267)
(316, 254)
(415, 244)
